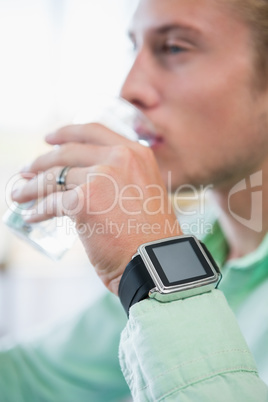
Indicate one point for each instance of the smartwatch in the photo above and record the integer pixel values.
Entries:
(168, 269)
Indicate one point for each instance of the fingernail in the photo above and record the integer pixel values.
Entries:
(25, 169)
(28, 218)
(28, 215)
(15, 193)
(49, 136)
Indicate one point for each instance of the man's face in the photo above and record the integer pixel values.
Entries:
(194, 77)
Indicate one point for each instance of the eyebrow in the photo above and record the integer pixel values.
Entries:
(170, 28)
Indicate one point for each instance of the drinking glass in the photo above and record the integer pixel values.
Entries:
(55, 236)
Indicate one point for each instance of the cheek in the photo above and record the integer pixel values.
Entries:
(215, 111)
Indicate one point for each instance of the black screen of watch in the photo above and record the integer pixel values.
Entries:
(179, 261)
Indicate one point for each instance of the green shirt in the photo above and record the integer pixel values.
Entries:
(188, 350)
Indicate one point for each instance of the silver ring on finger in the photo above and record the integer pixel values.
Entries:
(61, 179)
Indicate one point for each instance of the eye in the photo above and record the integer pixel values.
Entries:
(173, 49)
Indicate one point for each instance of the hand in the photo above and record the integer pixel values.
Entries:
(116, 195)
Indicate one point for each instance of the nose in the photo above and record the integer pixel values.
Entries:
(139, 87)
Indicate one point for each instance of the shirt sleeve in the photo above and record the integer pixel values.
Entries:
(188, 350)
(78, 361)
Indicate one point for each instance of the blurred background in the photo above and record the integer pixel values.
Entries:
(56, 56)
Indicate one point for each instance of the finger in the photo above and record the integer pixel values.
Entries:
(58, 204)
(74, 201)
(93, 133)
(46, 183)
(69, 154)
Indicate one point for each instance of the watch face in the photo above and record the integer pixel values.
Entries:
(178, 261)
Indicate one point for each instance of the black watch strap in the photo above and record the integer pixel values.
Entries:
(135, 283)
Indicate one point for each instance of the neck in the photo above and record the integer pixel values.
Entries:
(244, 212)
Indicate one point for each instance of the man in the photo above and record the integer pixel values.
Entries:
(200, 76)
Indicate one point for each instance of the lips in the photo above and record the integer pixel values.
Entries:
(148, 137)
(152, 142)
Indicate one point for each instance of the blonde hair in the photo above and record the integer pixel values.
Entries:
(255, 13)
